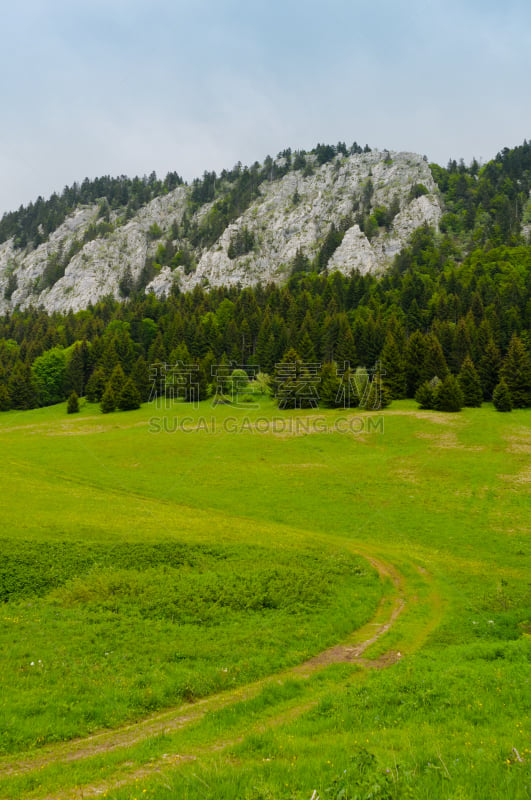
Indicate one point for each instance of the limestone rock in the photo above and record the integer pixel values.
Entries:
(73, 269)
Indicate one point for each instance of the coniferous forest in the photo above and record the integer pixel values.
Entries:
(448, 324)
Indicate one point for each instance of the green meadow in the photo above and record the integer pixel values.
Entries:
(172, 581)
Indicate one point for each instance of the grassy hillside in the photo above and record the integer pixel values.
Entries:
(148, 564)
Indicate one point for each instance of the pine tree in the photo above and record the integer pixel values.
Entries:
(140, 376)
(5, 400)
(294, 385)
(489, 369)
(329, 386)
(379, 395)
(117, 380)
(72, 407)
(434, 364)
(129, 398)
(306, 348)
(345, 347)
(448, 395)
(74, 372)
(501, 397)
(21, 387)
(95, 386)
(415, 353)
(109, 357)
(200, 380)
(516, 371)
(108, 401)
(461, 345)
(470, 384)
(425, 394)
(393, 367)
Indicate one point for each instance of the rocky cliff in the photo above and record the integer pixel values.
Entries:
(374, 201)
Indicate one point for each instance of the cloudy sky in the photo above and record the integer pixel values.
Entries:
(130, 86)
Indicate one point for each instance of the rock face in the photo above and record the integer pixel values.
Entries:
(292, 214)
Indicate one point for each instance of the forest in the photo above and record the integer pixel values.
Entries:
(448, 324)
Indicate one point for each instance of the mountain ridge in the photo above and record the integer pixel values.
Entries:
(96, 251)
(330, 209)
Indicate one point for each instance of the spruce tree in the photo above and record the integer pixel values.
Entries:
(434, 364)
(461, 345)
(108, 401)
(95, 386)
(501, 397)
(201, 387)
(489, 369)
(425, 394)
(329, 387)
(140, 376)
(448, 395)
(378, 396)
(5, 400)
(294, 385)
(345, 347)
(393, 367)
(516, 371)
(414, 361)
(75, 372)
(470, 384)
(117, 380)
(72, 407)
(129, 397)
(21, 387)
(357, 384)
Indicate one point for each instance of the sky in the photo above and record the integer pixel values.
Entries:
(112, 87)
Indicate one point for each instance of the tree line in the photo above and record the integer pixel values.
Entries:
(429, 323)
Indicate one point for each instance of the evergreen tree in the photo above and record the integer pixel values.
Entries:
(448, 395)
(96, 386)
(110, 356)
(358, 385)
(501, 397)
(75, 372)
(329, 386)
(434, 364)
(108, 401)
(470, 384)
(345, 348)
(414, 362)
(489, 369)
(425, 394)
(129, 397)
(516, 371)
(201, 381)
(294, 385)
(393, 367)
(141, 379)
(379, 396)
(461, 345)
(72, 407)
(117, 381)
(300, 262)
(21, 387)
(5, 400)
(306, 348)
(157, 351)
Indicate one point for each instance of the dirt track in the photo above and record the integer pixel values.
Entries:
(167, 722)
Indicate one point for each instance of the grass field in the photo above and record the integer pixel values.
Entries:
(161, 580)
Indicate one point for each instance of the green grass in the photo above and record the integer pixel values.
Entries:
(141, 569)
